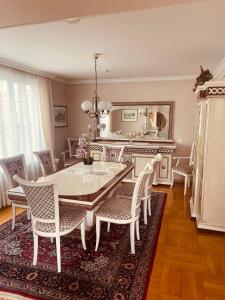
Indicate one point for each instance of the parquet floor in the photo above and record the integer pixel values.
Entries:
(189, 263)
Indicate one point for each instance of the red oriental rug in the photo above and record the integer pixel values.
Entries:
(111, 273)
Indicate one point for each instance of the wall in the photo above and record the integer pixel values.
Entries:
(178, 91)
(59, 94)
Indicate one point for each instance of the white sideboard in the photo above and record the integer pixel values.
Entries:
(140, 154)
(208, 201)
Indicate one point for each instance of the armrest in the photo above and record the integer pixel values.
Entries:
(181, 157)
(64, 154)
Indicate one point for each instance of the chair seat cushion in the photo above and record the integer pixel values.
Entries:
(126, 189)
(183, 168)
(69, 218)
(116, 208)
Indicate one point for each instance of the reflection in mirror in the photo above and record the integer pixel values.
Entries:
(142, 122)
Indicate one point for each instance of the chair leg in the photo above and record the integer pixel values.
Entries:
(172, 180)
(58, 253)
(28, 214)
(145, 208)
(185, 184)
(149, 206)
(132, 245)
(13, 216)
(98, 229)
(137, 230)
(189, 181)
(82, 229)
(35, 237)
(108, 227)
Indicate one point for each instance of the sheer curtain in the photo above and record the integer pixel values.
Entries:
(25, 118)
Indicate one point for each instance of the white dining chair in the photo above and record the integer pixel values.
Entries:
(15, 165)
(184, 167)
(72, 149)
(126, 189)
(48, 219)
(120, 210)
(46, 161)
(113, 153)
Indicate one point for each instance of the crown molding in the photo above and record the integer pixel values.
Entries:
(135, 79)
(23, 68)
(56, 78)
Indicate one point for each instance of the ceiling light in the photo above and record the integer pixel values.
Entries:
(100, 108)
(74, 20)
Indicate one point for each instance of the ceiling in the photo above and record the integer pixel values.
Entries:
(155, 42)
(39, 11)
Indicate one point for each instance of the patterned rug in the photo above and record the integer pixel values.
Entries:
(111, 273)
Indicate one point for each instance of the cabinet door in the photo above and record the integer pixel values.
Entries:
(164, 170)
(199, 155)
(140, 161)
(97, 155)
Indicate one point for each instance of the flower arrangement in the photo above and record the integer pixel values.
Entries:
(83, 150)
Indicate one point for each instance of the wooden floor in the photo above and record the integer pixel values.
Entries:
(189, 263)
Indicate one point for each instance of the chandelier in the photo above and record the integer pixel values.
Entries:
(96, 108)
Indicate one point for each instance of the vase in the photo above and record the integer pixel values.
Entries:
(88, 161)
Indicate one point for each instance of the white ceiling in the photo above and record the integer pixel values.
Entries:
(164, 41)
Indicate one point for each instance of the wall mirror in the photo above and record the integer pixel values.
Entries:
(143, 121)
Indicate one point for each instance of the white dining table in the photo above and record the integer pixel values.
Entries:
(85, 186)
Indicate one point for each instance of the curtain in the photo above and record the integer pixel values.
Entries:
(23, 119)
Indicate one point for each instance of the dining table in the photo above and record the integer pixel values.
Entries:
(85, 186)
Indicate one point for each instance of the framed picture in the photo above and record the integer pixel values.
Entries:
(60, 116)
(129, 115)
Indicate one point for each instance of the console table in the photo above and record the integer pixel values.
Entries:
(139, 154)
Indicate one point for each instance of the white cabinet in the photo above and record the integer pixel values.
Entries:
(96, 154)
(208, 198)
(163, 173)
(140, 156)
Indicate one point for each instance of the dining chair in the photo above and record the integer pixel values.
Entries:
(72, 148)
(46, 161)
(120, 210)
(126, 189)
(15, 165)
(184, 167)
(48, 219)
(112, 153)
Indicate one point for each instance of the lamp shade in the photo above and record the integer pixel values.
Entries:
(102, 105)
(86, 105)
(108, 105)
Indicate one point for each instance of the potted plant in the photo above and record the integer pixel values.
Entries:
(83, 150)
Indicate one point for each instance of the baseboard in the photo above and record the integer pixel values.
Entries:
(201, 225)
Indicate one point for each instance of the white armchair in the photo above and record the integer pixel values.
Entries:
(184, 167)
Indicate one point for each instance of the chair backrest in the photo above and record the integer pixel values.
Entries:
(72, 146)
(191, 161)
(14, 165)
(140, 189)
(42, 198)
(153, 164)
(113, 153)
(46, 161)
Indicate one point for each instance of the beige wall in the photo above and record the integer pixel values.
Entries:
(59, 94)
(178, 91)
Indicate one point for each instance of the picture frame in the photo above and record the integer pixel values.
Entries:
(60, 116)
(129, 115)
